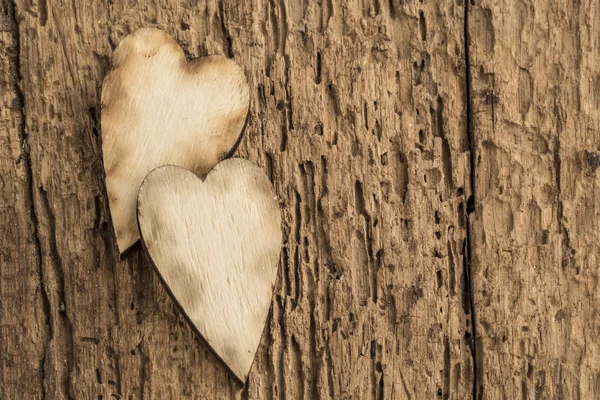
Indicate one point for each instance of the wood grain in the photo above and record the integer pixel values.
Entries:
(159, 109)
(216, 244)
(536, 221)
(359, 116)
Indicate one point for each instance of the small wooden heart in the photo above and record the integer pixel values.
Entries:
(215, 243)
(158, 109)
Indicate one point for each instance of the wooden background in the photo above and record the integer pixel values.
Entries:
(438, 164)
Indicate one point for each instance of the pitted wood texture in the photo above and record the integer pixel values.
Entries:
(23, 321)
(358, 114)
(215, 244)
(536, 123)
(160, 109)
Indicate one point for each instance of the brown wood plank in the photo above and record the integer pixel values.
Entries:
(535, 101)
(358, 116)
(23, 333)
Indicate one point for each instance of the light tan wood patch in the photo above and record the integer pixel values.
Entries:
(159, 109)
(216, 244)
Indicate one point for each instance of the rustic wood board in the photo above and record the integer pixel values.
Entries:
(159, 109)
(358, 114)
(536, 226)
(215, 244)
(23, 332)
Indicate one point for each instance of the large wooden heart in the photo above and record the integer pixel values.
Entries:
(216, 244)
(159, 109)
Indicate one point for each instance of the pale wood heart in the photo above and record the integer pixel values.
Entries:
(216, 245)
(159, 109)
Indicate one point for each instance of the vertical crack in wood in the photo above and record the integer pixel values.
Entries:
(313, 275)
(467, 253)
(280, 370)
(227, 39)
(109, 25)
(566, 252)
(296, 263)
(29, 192)
(139, 350)
(269, 361)
(57, 265)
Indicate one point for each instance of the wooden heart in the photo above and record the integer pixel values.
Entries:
(215, 243)
(158, 109)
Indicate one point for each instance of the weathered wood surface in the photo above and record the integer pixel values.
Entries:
(359, 115)
(215, 244)
(535, 73)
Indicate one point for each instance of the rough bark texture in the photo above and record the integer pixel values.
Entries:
(374, 121)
